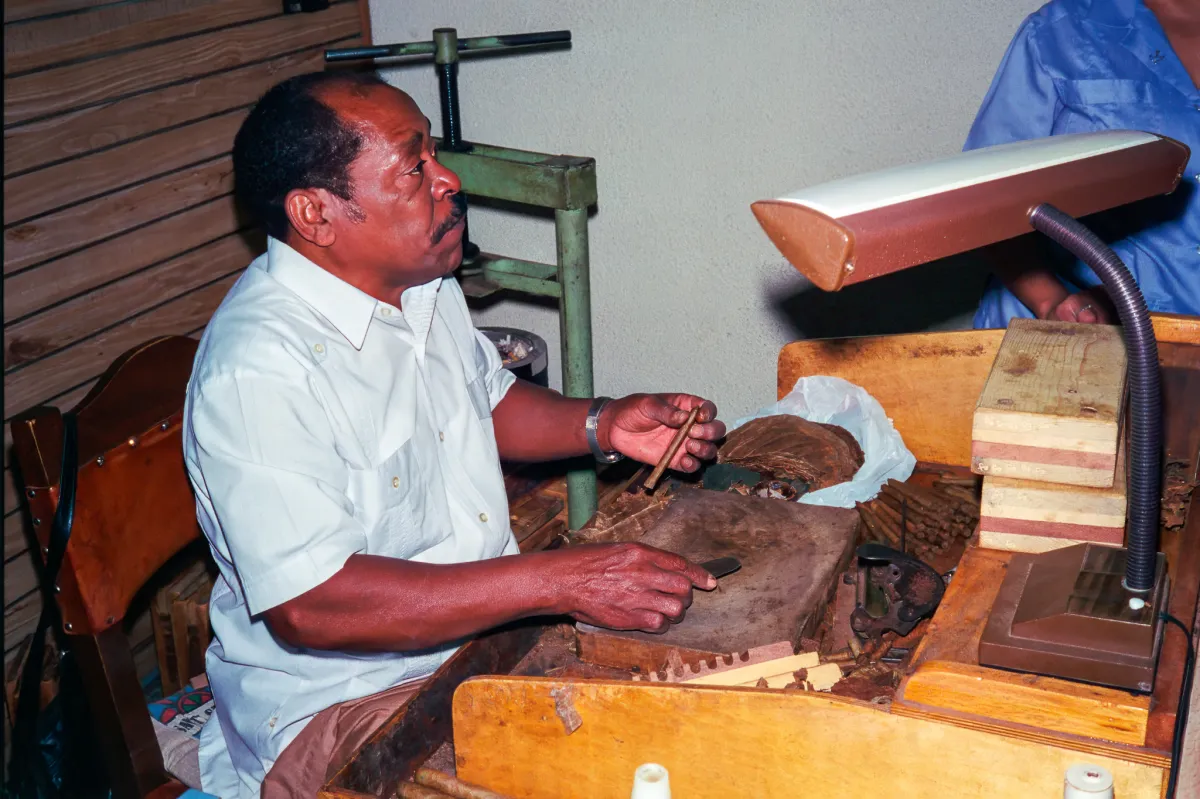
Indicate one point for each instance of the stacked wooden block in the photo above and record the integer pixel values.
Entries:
(1049, 438)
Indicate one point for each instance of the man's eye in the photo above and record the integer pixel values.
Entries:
(418, 169)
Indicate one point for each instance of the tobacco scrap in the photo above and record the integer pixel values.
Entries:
(789, 448)
(1176, 495)
(564, 708)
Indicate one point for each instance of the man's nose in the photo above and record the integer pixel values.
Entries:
(444, 182)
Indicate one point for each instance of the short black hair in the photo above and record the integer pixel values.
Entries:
(292, 140)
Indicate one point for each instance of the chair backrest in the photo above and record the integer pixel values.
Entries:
(134, 510)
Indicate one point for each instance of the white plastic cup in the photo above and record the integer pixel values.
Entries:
(651, 781)
(1087, 781)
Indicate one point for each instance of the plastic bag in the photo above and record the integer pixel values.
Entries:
(832, 400)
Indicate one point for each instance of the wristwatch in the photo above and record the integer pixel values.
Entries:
(592, 425)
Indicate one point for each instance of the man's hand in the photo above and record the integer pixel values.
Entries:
(628, 586)
(641, 427)
(1090, 306)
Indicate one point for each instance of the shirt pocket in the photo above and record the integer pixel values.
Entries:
(403, 528)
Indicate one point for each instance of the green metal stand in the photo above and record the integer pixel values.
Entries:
(567, 185)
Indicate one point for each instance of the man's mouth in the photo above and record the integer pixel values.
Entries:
(452, 222)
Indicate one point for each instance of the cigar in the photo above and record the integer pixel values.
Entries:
(877, 527)
(840, 657)
(676, 443)
(916, 514)
(915, 494)
(955, 480)
(890, 529)
(409, 790)
(452, 786)
(915, 525)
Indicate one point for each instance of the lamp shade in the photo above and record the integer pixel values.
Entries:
(864, 226)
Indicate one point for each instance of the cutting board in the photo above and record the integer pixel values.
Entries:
(790, 555)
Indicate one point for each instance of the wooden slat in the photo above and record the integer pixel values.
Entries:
(20, 619)
(63, 325)
(61, 279)
(15, 539)
(12, 494)
(76, 227)
(42, 43)
(90, 358)
(57, 90)
(15, 10)
(30, 146)
(43, 190)
(19, 578)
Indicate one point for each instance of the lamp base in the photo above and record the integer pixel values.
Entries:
(1064, 613)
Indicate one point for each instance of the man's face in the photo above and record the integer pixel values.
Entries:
(410, 227)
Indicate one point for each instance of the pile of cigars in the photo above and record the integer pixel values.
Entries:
(923, 521)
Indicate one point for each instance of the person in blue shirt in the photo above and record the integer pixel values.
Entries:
(1078, 66)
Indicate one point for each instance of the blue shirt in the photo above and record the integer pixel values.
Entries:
(1079, 66)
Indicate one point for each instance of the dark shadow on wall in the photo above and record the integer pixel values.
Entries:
(933, 295)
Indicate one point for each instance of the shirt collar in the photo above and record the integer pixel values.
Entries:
(345, 307)
(1114, 13)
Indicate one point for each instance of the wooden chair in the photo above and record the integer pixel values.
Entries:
(134, 511)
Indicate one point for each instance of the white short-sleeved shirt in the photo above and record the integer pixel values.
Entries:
(321, 423)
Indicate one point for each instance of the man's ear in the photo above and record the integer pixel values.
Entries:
(310, 214)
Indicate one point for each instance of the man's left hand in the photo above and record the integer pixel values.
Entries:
(641, 427)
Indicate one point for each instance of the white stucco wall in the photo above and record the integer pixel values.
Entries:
(693, 110)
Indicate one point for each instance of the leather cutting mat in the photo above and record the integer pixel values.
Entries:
(790, 555)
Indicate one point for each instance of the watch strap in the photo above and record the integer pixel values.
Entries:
(592, 425)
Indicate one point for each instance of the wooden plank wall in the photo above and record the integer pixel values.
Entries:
(119, 221)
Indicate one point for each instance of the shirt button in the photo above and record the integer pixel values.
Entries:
(385, 311)
(441, 436)
(483, 517)
(318, 348)
(395, 482)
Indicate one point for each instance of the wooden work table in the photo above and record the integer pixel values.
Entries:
(953, 727)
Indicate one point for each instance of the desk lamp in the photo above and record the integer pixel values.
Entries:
(1088, 612)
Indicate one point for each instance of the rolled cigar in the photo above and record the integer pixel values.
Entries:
(962, 492)
(958, 498)
(840, 657)
(913, 494)
(410, 790)
(676, 443)
(971, 481)
(877, 526)
(873, 532)
(452, 786)
(915, 525)
(897, 499)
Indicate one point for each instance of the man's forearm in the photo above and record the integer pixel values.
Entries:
(536, 424)
(380, 604)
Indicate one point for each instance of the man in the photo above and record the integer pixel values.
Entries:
(1079, 66)
(344, 427)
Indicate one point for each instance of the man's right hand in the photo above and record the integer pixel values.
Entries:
(1090, 306)
(627, 586)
